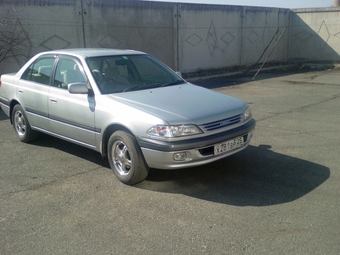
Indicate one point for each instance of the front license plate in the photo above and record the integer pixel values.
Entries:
(229, 145)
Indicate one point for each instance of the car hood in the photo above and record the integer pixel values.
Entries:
(183, 104)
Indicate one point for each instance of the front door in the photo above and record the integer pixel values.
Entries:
(71, 115)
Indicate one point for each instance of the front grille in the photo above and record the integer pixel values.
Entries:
(222, 123)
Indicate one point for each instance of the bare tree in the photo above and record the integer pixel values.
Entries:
(14, 38)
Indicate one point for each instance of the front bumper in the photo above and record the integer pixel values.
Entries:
(198, 151)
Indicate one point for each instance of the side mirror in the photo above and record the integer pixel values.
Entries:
(77, 88)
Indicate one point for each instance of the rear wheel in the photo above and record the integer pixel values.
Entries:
(21, 125)
(126, 159)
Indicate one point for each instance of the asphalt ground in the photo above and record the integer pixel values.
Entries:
(279, 196)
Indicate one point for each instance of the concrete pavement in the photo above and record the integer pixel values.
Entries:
(279, 196)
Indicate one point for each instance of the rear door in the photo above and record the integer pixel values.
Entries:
(33, 89)
(71, 115)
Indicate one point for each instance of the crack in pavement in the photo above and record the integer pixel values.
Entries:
(306, 83)
(300, 108)
(45, 184)
(304, 132)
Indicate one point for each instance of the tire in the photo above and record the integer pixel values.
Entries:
(22, 126)
(126, 159)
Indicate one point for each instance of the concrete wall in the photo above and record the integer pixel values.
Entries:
(144, 26)
(48, 26)
(315, 34)
(225, 36)
(187, 37)
(139, 25)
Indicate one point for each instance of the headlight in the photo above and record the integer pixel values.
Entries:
(173, 131)
(247, 114)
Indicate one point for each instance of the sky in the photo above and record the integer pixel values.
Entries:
(292, 4)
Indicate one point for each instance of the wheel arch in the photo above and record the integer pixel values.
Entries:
(11, 106)
(107, 134)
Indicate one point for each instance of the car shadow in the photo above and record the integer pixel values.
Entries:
(3, 115)
(48, 141)
(256, 176)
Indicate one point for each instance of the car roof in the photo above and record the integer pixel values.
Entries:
(92, 52)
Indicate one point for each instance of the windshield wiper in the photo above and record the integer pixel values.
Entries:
(174, 83)
(133, 88)
(146, 85)
(152, 84)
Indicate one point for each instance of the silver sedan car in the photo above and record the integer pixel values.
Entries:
(128, 106)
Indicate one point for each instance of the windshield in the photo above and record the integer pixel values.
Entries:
(115, 74)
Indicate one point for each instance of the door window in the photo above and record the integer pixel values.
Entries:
(39, 71)
(67, 72)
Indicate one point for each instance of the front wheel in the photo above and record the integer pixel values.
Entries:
(21, 125)
(126, 159)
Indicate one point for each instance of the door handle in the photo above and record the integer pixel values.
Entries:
(53, 100)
